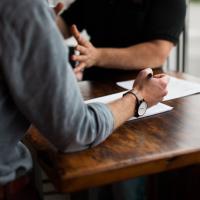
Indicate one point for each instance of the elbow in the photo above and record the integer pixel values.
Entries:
(161, 59)
(91, 127)
(162, 50)
(158, 61)
(79, 140)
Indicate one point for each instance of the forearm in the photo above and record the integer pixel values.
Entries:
(122, 109)
(98, 121)
(138, 56)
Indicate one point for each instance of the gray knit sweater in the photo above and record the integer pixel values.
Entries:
(38, 86)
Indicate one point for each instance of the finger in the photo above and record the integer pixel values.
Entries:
(79, 75)
(75, 32)
(159, 75)
(161, 99)
(81, 49)
(58, 8)
(79, 58)
(80, 67)
(167, 78)
(163, 77)
(163, 83)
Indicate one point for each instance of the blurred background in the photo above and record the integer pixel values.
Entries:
(194, 38)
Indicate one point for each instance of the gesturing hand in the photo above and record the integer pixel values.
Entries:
(88, 53)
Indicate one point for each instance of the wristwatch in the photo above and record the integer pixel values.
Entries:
(141, 104)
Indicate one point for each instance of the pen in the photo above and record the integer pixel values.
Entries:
(150, 73)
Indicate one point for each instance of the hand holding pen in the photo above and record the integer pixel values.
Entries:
(153, 88)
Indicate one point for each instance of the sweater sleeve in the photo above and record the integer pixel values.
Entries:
(42, 83)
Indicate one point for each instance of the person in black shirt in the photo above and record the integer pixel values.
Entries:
(125, 34)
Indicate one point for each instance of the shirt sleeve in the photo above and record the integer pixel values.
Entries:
(165, 20)
(42, 83)
(74, 14)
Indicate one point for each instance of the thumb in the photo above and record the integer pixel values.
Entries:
(145, 73)
(58, 8)
(142, 76)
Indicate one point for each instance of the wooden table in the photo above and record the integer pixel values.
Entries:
(159, 143)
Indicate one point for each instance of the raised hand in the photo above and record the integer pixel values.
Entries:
(88, 53)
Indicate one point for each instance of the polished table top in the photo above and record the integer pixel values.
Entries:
(142, 147)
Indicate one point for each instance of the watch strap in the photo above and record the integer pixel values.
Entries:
(132, 92)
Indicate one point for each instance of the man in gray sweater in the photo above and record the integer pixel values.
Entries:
(37, 86)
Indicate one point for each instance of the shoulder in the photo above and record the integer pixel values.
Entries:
(19, 15)
(11, 9)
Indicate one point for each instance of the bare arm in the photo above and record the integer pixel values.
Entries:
(127, 103)
(152, 53)
(124, 108)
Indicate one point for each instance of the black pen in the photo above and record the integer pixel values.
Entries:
(150, 74)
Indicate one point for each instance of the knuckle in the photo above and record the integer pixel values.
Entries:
(143, 72)
(165, 92)
(163, 83)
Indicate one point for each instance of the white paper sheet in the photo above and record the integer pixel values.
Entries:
(159, 108)
(176, 88)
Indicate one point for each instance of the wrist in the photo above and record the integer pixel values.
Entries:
(139, 93)
(140, 104)
(131, 101)
(98, 60)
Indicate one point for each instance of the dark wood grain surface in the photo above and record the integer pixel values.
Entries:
(154, 144)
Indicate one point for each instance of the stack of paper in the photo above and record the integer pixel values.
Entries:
(159, 108)
(176, 88)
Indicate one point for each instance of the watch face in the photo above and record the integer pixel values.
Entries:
(142, 108)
